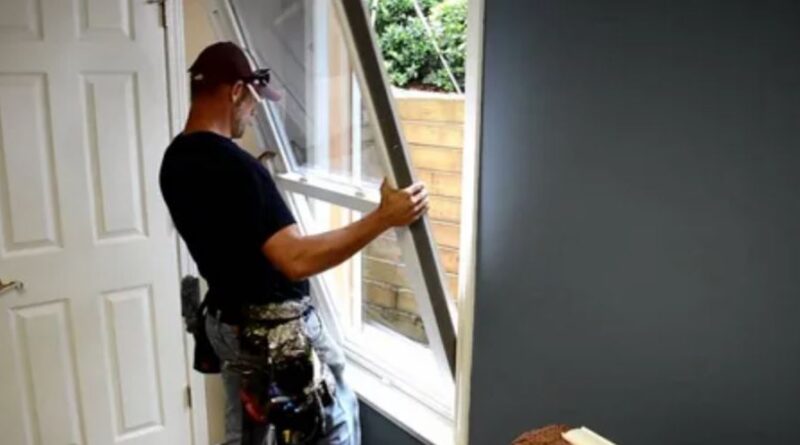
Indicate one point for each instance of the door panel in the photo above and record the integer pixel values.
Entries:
(43, 340)
(30, 204)
(115, 151)
(94, 340)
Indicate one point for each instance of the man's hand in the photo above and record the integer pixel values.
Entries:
(402, 207)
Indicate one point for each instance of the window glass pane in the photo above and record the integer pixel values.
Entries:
(372, 288)
(388, 299)
(322, 111)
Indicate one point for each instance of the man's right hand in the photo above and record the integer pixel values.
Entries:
(402, 207)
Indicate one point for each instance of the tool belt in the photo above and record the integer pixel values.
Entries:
(284, 382)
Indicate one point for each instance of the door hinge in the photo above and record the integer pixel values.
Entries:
(162, 11)
(188, 396)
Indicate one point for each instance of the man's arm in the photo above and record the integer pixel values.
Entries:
(299, 257)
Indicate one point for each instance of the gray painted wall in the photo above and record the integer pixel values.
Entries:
(378, 430)
(639, 229)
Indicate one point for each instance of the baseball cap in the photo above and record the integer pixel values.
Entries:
(226, 62)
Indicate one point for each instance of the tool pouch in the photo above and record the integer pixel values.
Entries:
(284, 382)
(206, 360)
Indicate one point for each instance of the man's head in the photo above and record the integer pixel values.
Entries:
(225, 85)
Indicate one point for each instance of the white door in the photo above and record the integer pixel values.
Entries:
(91, 350)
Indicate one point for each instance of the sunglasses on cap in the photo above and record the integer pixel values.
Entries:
(258, 85)
(259, 77)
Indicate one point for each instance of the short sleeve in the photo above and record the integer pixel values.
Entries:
(244, 205)
(274, 214)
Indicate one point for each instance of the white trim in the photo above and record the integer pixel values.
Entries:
(178, 109)
(343, 195)
(469, 215)
(356, 148)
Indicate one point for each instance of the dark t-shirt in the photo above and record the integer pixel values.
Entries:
(225, 205)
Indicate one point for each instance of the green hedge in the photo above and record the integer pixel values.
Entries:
(410, 56)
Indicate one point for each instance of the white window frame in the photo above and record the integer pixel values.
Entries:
(428, 419)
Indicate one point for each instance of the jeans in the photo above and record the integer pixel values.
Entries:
(342, 421)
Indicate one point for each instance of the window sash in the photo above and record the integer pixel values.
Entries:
(419, 252)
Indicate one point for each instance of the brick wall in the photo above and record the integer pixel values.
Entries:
(433, 126)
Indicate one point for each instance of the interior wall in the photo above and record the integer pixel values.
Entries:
(378, 430)
(638, 264)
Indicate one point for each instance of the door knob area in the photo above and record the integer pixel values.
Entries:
(11, 285)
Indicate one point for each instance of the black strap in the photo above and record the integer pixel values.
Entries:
(203, 305)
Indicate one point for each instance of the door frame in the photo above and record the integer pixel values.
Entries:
(178, 102)
(470, 201)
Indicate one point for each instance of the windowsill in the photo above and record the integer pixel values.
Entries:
(401, 379)
(407, 412)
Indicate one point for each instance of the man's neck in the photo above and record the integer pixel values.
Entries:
(203, 121)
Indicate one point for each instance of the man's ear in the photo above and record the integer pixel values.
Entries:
(237, 91)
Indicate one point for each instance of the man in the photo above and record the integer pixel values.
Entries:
(249, 249)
